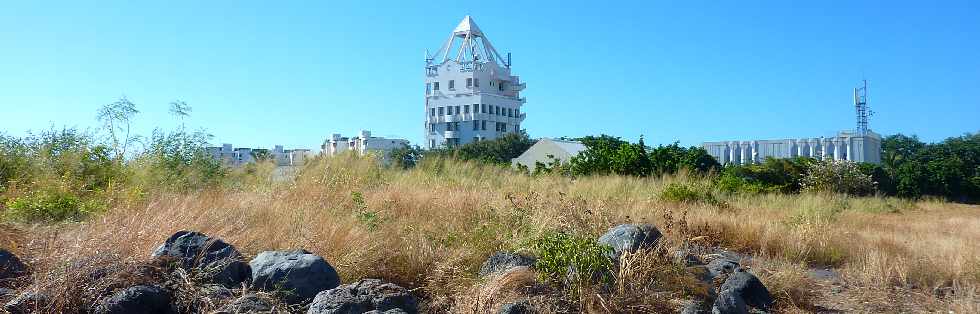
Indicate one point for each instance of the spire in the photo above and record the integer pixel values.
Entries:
(467, 26)
(467, 43)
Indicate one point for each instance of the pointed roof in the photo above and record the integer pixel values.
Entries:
(467, 25)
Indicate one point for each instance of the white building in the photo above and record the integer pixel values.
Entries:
(860, 145)
(847, 145)
(546, 150)
(362, 144)
(470, 94)
(224, 153)
(242, 155)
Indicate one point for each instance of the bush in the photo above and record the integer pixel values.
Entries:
(48, 206)
(611, 155)
(684, 193)
(771, 176)
(498, 151)
(839, 176)
(573, 259)
(178, 161)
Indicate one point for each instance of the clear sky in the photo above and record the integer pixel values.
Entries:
(286, 72)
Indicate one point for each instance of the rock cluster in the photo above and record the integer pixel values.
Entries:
(293, 278)
(299, 279)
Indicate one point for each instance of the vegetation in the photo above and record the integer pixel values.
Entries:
(573, 259)
(428, 221)
(605, 155)
(430, 227)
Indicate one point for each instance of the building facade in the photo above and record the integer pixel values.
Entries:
(362, 144)
(241, 156)
(847, 145)
(470, 94)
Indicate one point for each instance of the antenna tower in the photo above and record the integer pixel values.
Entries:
(861, 107)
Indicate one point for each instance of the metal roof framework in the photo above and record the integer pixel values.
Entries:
(468, 43)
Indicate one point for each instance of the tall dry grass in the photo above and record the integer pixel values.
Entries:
(430, 228)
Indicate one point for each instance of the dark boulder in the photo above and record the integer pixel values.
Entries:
(630, 238)
(10, 265)
(137, 299)
(728, 302)
(501, 261)
(749, 288)
(27, 302)
(363, 296)
(300, 275)
(719, 266)
(215, 260)
(517, 307)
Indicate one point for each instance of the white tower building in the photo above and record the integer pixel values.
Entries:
(470, 94)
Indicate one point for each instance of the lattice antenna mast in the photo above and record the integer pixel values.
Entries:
(861, 107)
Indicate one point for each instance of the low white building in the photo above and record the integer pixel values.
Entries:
(847, 145)
(243, 155)
(546, 150)
(362, 144)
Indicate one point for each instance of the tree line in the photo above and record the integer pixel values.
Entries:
(909, 167)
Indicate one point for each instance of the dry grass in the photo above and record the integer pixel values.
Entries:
(430, 228)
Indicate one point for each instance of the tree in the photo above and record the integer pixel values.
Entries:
(496, 151)
(181, 110)
(116, 117)
(405, 157)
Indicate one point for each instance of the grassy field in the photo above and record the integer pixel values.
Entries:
(431, 227)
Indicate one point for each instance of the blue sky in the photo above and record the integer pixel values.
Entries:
(286, 72)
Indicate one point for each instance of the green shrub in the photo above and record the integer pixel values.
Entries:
(560, 253)
(45, 206)
(685, 193)
(839, 176)
(770, 176)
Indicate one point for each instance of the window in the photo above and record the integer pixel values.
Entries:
(469, 82)
(498, 110)
(428, 88)
(483, 125)
(483, 108)
(432, 112)
(500, 86)
(466, 109)
(476, 82)
(435, 85)
(452, 84)
(476, 125)
(432, 143)
(457, 109)
(510, 112)
(449, 110)
(440, 111)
